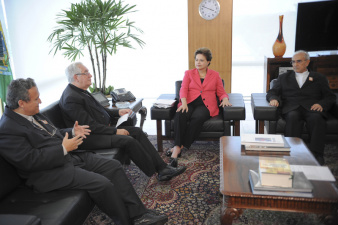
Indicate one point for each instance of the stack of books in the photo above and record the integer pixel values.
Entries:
(164, 103)
(274, 177)
(264, 142)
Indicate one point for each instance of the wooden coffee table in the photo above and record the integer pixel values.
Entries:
(235, 164)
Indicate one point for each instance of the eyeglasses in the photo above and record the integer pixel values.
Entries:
(86, 73)
(296, 61)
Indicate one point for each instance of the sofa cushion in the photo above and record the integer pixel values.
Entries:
(53, 208)
(8, 177)
(10, 219)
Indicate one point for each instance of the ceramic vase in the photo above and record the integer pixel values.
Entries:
(279, 47)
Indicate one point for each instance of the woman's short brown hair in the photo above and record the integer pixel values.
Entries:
(204, 51)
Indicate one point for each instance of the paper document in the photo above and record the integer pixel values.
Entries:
(164, 103)
(321, 173)
(122, 119)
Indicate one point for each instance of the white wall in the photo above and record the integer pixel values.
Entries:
(150, 71)
(147, 72)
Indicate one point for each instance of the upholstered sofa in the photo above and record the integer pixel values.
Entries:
(270, 117)
(213, 129)
(20, 205)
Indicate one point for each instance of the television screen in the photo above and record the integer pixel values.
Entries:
(317, 26)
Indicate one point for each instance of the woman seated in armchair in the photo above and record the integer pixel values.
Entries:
(198, 103)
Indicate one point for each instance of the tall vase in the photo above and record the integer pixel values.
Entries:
(279, 47)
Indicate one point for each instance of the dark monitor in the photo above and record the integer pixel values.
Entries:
(317, 26)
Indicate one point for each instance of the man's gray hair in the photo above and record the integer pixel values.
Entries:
(306, 54)
(18, 90)
(71, 70)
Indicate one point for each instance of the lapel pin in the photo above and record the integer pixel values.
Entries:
(44, 121)
(310, 78)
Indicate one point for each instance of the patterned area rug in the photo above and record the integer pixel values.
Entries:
(193, 197)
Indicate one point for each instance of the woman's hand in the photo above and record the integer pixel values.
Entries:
(225, 102)
(184, 106)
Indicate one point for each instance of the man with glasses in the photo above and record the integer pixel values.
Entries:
(46, 158)
(303, 96)
(77, 104)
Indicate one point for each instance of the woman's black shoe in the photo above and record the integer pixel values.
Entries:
(169, 153)
(173, 162)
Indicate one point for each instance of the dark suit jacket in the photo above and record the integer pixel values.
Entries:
(77, 105)
(37, 156)
(314, 90)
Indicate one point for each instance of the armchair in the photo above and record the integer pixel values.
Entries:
(269, 117)
(212, 129)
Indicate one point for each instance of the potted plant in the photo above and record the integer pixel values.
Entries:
(98, 26)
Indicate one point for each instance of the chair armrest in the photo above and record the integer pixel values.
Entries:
(237, 110)
(162, 114)
(261, 109)
(334, 109)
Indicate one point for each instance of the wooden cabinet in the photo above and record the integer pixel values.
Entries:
(326, 65)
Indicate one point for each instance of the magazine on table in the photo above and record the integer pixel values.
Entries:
(274, 140)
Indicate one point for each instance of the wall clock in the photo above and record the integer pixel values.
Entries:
(209, 9)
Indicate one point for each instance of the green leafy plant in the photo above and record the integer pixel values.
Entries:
(108, 90)
(96, 26)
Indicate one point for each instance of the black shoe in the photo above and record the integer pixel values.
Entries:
(154, 212)
(150, 218)
(169, 153)
(173, 162)
(170, 172)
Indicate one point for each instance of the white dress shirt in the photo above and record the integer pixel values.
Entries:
(301, 78)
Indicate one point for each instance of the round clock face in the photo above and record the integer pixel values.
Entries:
(209, 9)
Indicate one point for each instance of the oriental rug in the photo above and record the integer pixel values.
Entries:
(194, 198)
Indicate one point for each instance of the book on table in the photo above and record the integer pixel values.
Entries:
(273, 140)
(259, 147)
(301, 186)
(275, 171)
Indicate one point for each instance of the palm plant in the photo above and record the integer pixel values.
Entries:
(97, 26)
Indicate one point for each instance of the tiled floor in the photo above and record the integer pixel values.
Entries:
(149, 126)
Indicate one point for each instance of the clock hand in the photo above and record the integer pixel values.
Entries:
(208, 8)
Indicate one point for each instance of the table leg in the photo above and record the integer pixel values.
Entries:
(229, 214)
(159, 135)
(236, 128)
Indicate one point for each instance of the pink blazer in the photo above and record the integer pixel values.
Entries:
(191, 88)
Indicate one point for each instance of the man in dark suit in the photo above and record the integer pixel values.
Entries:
(77, 103)
(303, 96)
(44, 156)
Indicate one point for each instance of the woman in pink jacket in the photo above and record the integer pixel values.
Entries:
(198, 102)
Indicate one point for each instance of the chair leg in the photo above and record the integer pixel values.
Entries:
(159, 135)
(261, 127)
(236, 128)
